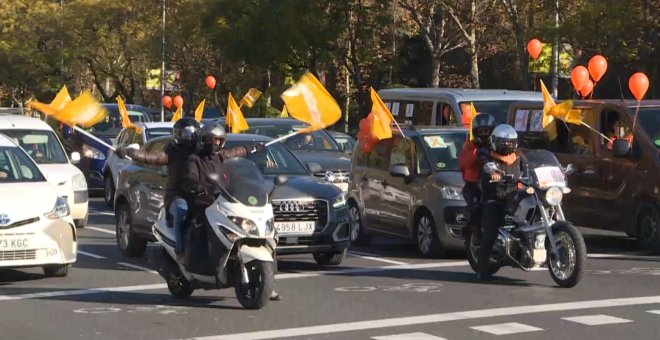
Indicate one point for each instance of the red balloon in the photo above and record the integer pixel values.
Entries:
(638, 85)
(167, 101)
(364, 124)
(210, 82)
(363, 135)
(535, 47)
(366, 147)
(597, 67)
(579, 77)
(178, 101)
(586, 88)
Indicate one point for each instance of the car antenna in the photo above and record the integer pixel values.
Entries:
(618, 78)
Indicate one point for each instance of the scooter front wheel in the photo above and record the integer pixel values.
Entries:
(256, 293)
(567, 268)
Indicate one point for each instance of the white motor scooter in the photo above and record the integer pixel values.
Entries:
(232, 245)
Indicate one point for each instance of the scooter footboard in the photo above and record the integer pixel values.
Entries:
(249, 254)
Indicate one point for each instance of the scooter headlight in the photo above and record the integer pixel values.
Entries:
(247, 225)
(554, 196)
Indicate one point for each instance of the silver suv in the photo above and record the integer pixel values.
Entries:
(410, 187)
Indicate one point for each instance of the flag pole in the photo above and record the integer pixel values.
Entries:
(81, 130)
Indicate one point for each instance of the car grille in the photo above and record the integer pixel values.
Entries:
(341, 176)
(301, 211)
(16, 255)
(21, 223)
(300, 241)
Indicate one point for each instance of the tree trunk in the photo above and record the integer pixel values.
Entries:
(523, 59)
(472, 41)
(435, 72)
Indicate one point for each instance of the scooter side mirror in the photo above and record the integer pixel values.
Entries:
(570, 169)
(490, 168)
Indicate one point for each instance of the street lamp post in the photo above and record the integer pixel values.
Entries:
(162, 71)
(555, 53)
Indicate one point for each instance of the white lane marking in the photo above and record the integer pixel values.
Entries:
(105, 213)
(624, 256)
(134, 266)
(653, 311)
(373, 269)
(596, 320)
(91, 255)
(434, 318)
(507, 328)
(409, 336)
(102, 230)
(82, 292)
(373, 257)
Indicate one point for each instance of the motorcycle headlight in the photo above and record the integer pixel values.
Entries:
(339, 201)
(553, 196)
(92, 152)
(246, 224)
(452, 193)
(60, 210)
(79, 181)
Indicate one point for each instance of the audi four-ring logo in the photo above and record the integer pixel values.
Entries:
(291, 207)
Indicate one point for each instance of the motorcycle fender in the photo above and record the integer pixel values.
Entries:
(249, 254)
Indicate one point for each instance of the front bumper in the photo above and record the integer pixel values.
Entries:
(334, 237)
(454, 218)
(49, 242)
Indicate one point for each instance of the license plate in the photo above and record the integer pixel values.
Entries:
(295, 227)
(14, 243)
(342, 186)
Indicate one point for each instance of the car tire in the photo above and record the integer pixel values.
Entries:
(56, 270)
(81, 223)
(109, 192)
(426, 236)
(356, 233)
(330, 259)
(129, 244)
(648, 232)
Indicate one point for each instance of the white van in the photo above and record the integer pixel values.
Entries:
(447, 106)
(42, 144)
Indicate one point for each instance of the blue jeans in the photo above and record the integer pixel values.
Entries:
(179, 210)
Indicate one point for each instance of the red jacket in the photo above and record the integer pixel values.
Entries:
(469, 162)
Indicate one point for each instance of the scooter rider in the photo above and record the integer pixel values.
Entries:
(504, 145)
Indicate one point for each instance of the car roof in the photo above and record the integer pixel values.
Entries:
(463, 94)
(628, 103)
(128, 106)
(410, 131)
(155, 125)
(270, 121)
(23, 123)
(231, 137)
(6, 141)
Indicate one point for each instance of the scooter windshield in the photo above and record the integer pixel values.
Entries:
(243, 182)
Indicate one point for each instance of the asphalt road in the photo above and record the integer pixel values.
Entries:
(381, 292)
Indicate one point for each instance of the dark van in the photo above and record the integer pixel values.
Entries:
(616, 184)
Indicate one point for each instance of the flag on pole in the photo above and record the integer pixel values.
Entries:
(123, 113)
(59, 102)
(309, 102)
(250, 97)
(178, 114)
(235, 118)
(549, 123)
(85, 111)
(284, 113)
(382, 125)
(199, 111)
(473, 114)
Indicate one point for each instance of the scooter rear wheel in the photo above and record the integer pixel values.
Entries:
(256, 293)
(179, 287)
(472, 252)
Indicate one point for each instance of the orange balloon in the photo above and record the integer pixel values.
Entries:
(534, 47)
(167, 101)
(597, 67)
(579, 77)
(638, 84)
(178, 101)
(586, 88)
(210, 82)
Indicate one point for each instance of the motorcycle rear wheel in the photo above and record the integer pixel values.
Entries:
(256, 293)
(568, 269)
(472, 254)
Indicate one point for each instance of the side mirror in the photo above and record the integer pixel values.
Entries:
(341, 147)
(621, 148)
(133, 146)
(314, 167)
(490, 168)
(75, 158)
(570, 169)
(281, 180)
(399, 170)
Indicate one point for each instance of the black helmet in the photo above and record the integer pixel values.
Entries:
(211, 132)
(482, 127)
(186, 132)
(504, 140)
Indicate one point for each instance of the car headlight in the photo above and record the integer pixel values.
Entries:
(452, 193)
(339, 201)
(269, 226)
(246, 224)
(92, 152)
(79, 181)
(330, 176)
(554, 196)
(60, 210)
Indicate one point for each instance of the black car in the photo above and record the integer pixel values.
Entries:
(346, 141)
(316, 147)
(311, 215)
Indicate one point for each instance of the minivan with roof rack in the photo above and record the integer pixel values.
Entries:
(410, 186)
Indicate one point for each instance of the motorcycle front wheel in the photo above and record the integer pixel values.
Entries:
(567, 268)
(256, 293)
(472, 251)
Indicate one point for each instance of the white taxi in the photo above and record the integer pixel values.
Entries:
(36, 228)
(40, 142)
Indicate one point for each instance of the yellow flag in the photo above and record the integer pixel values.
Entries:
(473, 115)
(59, 102)
(250, 97)
(199, 111)
(310, 102)
(549, 123)
(178, 114)
(85, 111)
(382, 127)
(123, 113)
(284, 113)
(235, 117)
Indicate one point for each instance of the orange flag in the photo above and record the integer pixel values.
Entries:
(199, 111)
(383, 118)
(235, 118)
(309, 102)
(474, 114)
(123, 112)
(59, 102)
(250, 97)
(85, 111)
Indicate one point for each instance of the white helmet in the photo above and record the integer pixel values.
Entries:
(504, 139)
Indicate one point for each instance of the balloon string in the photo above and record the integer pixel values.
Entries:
(639, 102)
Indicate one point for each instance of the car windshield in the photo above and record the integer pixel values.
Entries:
(112, 123)
(16, 167)
(498, 108)
(42, 145)
(649, 120)
(444, 149)
(347, 142)
(243, 181)
(314, 141)
(278, 160)
(158, 132)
